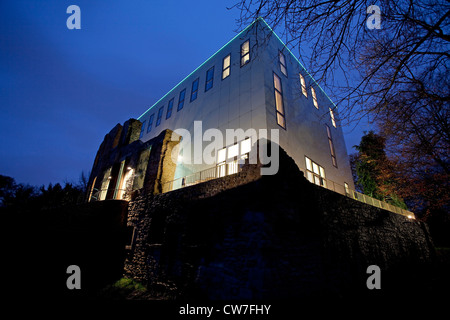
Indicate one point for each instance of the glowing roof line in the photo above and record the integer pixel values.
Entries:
(197, 68)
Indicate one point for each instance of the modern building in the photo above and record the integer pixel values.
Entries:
(253, 83)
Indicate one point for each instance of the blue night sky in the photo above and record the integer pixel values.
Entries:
(62, 90)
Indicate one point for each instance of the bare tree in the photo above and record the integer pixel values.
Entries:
(396, 76)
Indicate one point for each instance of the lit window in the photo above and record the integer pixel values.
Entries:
(194, 90)
(226, 67)
(221, 155)
(333, 121)
(181, 100)
(233, 151)
(313, 92)
(160, 113)
(142, 130)
(209, 79)
(245, 53)
(221, 165)
(279, 101)
(330, 142)
(302, 81)
(246, 146)
(315, 173)
(169, 109)
(150, 123)
(347, 189)
(282, 61)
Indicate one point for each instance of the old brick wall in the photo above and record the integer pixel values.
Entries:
(251, 237)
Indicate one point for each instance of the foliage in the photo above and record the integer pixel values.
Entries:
(375, 172)
(25, 198)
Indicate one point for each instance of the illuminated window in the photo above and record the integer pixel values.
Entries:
(209, 79)
(245, 53)
(282, 61)
(313, 92)
(347, 189)
(233, 151)
(226, 67)
(246, 146)
(142, 130)
(221, 165)
(221, 155)
(279, 101)
(150, 123)
(333, 121)
(194, 90)
(160, 113)
(315, 173)
(302, 81)
(330, 142)
(181, 100)
(169, 109)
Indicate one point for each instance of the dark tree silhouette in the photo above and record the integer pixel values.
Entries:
(396, 76)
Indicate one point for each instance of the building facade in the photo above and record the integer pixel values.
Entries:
(254, 86)
(255, 82)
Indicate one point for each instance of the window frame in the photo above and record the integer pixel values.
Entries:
(141, 134)
(332, 116)
(243, 55)
(282, 65)
(210, 80)
(314, 96)
(279, 114)
(159, 116)
(303, 85)
(196, 91)
(181, 102)
(332, 149)
(311, 172)
(226, 68)
(150, 122)
(169, 108)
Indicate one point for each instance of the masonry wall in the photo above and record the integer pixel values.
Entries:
(252, 237)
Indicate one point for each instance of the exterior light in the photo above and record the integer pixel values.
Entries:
(109, 178)
(410, 217)
(129, 168)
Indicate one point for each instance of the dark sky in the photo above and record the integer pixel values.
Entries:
(62, 90)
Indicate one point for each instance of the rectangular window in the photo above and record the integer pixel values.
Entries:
(315, 173)
(150, 123)
(233, 151)
(142, 130)
(347, 189)
(226, 67)
(282, 61)
(330, 142)
(181, 99)
(160, 113)
(245, 53)
(302, 81)
(194, 90)
(313, 93)
(279, 101)
(333, 121)
(221, 165)
(209, 79)
(169, 109)
(246, 146)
